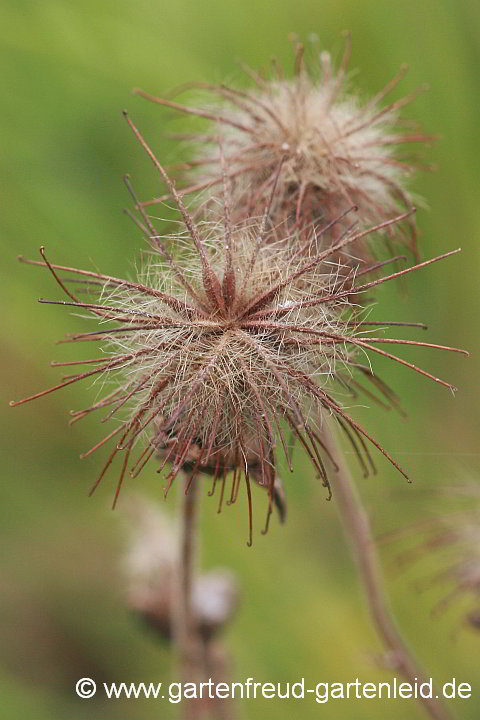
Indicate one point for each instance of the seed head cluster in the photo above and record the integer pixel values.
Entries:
(241, 336)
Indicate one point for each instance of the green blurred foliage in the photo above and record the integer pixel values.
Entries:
(67, 71)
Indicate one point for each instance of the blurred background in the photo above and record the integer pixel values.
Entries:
(67, 72)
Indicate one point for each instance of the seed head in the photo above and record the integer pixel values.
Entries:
(452, 541)
(337, 150)
(215, 355)
(150, 573)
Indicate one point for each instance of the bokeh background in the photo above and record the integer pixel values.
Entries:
(67, 71)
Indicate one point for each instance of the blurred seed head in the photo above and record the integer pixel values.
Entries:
(337, 149)
(450, 542)
(150, 566)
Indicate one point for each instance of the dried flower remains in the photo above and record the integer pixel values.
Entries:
(218, 353)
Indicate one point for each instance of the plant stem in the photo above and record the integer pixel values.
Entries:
(186, 636)
(199, 657)
(357, 527)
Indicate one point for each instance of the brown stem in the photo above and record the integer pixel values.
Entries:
(357, 527)
(185, 633)
(199, 657)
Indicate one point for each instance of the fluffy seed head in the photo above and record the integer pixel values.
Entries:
(337, 150)
(215, 355)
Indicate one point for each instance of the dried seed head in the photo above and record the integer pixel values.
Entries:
(150, 565)
(451, 540)
(214, 355)
(337, 151)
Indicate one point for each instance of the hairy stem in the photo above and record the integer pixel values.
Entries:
(357, 527)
